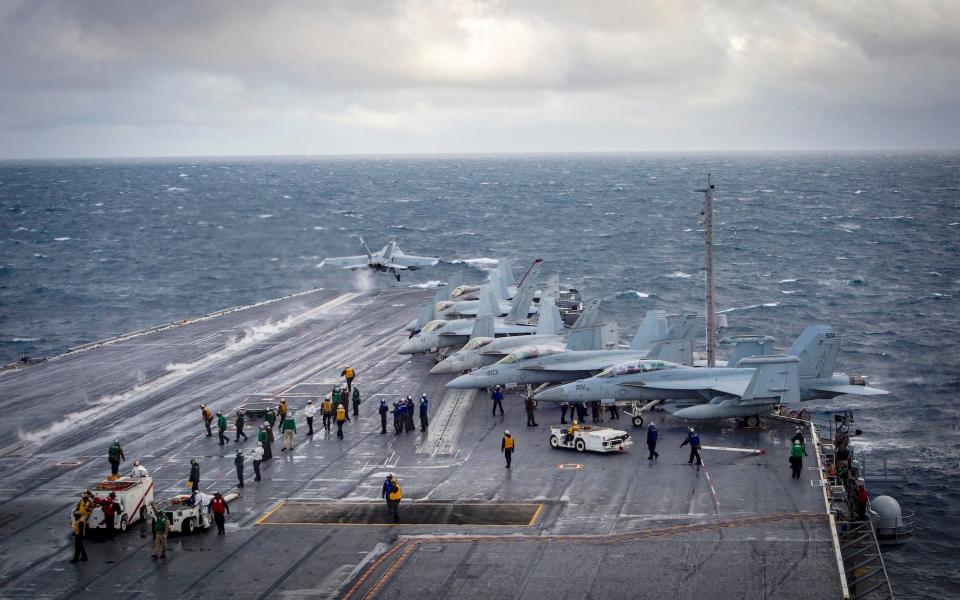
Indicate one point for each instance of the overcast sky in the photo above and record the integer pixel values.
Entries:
(169, 77)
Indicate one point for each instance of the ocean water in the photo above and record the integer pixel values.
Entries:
(869, 243)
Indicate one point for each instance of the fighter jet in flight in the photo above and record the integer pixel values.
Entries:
(533, 365)
(754, 387)
(389, 260)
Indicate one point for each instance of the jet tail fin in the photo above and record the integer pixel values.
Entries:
(524, 296)
(367, 250)
(483, 327)
(531, 272)
(506, 272)
(488, 305)
(549, 321)
(775, 379)
(588, 334)
(686, 327)
(652, 328)
(817, 348)
(676, 351)
(746, 346)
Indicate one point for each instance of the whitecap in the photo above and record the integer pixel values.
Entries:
(788, 292)
(184, 175)
(751, 307)
(679, 275)
(99, 204)
(274, 259)
(321, 263)
(319, 228)
(286, 197)
(174, 188)
(787, 281)
(265, 216)
(61, 239)
(632, 294)
(481, 262)
(433, 283)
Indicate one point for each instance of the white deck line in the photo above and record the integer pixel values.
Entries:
(838, 555)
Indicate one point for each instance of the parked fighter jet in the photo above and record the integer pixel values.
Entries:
(389, 260)
(752, 388)
(449, 309)
(545, 364)
(441, 333)
(586, 334)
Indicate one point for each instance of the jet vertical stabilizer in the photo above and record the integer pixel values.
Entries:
(817, 348)
(524, 296)
(676, 351)
(652, 328)
(498, 286)
(686, 327)
(427, 313)
(506, 272)
(483, 327)
(549, 321)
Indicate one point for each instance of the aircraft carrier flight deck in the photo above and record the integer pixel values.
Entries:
(558, 524)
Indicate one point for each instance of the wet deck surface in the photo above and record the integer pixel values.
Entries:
(739, 527)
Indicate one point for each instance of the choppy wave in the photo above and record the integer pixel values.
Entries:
(633, 294)
(679, 275)
(751, 307)
(480, 263)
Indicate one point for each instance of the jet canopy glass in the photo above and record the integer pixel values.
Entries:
(637, 366)
(434, 325)
(526, 354)
(477, 343)
(463, 289)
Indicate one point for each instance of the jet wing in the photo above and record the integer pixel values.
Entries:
(858, 390)
(732, 386)
(348, 262)
(407, 261)
(395, 267)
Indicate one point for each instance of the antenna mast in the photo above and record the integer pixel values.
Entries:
(711, 316)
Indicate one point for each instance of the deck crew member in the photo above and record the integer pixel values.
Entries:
(238, 424)
(238, 463)
(219, 506)
(409, 415)
(161, 529)
(207, 416)
(341, 418)
(348, 374)
(85, 504)
(115, 456)
(138, 470)
(572, 430)
(595, 411)
(288, 428)
(271, 417)
(194, 474)
(797, 453)
(109, 506)
(798, 437)
(563, 413)
(652, 435)
(506, 446)
(264, 441)
(79, 530)
(335, 396)
(326, 411)
(497, 396)
(282, 409)
(222, 428)
(614, 412)
(310, 410)
(400, 415)
(693, 439)
(530, 405)
(393, 494)
(383, 410)
(356, 401)
(257, 459)
(424, 418)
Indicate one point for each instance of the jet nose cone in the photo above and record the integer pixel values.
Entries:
(464, 382)
(444, 367)
(408, 347)
(554, 394)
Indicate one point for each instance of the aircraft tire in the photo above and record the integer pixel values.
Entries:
(637, 421)
(752, 421)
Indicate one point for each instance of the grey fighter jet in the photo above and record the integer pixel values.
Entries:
(753, 387)
(544, 364)
(450, 309)
(441, 333)
(586, 334)
(389, 260)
